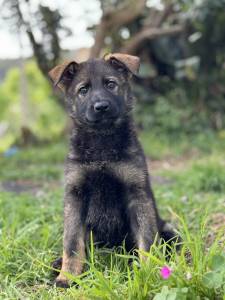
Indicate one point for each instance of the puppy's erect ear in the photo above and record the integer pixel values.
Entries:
(131, 62)
(62, 75)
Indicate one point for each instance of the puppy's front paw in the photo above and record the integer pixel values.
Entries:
(62, 283)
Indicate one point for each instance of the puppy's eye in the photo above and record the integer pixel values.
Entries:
(83, 90)
(110, 84)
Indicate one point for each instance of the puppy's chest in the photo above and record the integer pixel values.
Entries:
(91, 148)
(106, 202)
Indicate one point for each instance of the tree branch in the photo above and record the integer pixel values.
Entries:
(134, 44)
(164, 16)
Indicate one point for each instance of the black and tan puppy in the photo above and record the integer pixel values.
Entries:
(107, 188)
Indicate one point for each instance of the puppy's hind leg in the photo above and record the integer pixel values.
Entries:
(168, 234)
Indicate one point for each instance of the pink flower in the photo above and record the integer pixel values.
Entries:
(165, 272)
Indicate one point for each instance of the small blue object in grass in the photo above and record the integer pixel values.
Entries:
(11, 151)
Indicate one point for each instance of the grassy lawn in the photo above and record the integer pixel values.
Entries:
(189, 182)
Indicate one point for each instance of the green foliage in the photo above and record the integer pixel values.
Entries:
(172, 294)
(216, 277)
(186, 108)
(45, 111)
(45, 118)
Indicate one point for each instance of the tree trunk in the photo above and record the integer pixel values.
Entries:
(113, 20)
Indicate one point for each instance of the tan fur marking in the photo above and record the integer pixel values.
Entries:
(142, 247)
(73, 175)
(130, 61)
(56, 73)
(129, 173)
(168, 227)
(72, 264)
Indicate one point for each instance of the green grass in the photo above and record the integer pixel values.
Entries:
(192, 197)
(158, 144)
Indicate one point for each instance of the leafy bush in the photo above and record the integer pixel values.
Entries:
(186, 107)
(43, 115)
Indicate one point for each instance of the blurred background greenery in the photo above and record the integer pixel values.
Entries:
(180, 115)
(180, 90)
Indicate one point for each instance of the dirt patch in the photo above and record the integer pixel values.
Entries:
(160, 180)
(28, 186)
(19, 186)
(217, 229)
(169, 164)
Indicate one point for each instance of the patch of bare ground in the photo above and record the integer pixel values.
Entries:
(216, 229)
(172, 163)
(169, 164)
(27, 186)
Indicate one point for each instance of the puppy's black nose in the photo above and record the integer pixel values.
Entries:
(101, 106)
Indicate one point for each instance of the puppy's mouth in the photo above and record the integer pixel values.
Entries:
(104, 119)
(100, 121)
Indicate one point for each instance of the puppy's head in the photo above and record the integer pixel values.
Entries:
(97, 91)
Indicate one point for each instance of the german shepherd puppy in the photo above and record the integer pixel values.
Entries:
(107, 187)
